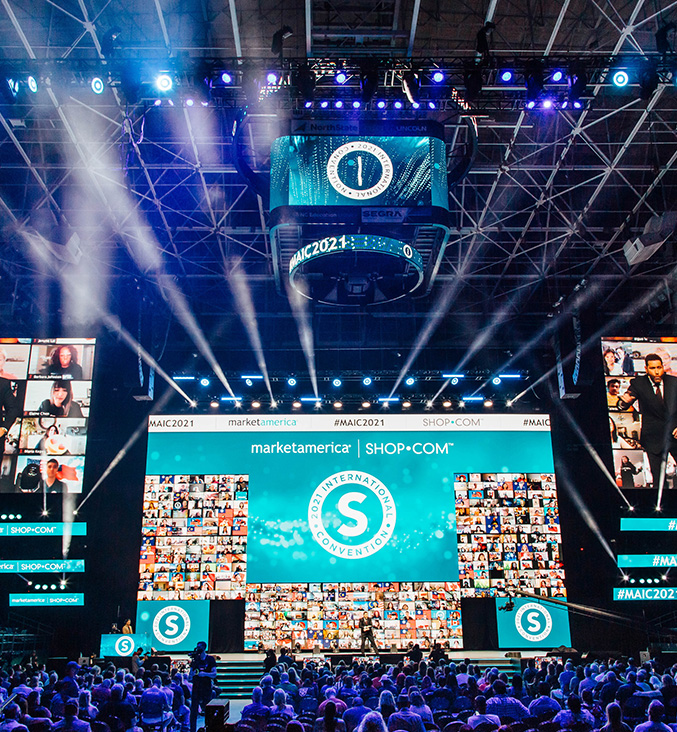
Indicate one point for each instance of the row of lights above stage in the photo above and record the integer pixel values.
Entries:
(323, 84)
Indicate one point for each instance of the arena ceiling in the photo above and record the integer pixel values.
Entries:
(152, 193)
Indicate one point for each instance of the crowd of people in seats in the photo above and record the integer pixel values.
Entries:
(420, 694)
(93, 699)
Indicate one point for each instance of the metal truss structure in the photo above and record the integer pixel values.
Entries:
(152, 193)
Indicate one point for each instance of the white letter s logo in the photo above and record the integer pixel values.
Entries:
(172, 625)
(534, 622)
(352, 513)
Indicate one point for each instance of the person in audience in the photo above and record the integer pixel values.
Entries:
(256, 710)
(353, 716)
(372, 722)
(330, 696)
(87, 709)
(267, 690)
(544, 706)
(480, 716)
(504, 706)
(70, 721)
(11, 722)
(574, 716)
(329, 721)
(404, 718)
(656, 712)
(69, 684)
(280, 706)
(615, 723)
(418, 705)
(386, 704)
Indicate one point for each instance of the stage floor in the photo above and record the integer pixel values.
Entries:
(481, 657)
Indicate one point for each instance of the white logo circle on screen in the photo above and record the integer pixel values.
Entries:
(349, 191)
(172, 613)
(377, 540)
(537, 620)
(124, 646)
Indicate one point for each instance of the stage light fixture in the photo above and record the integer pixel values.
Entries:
(271, 78)
(226, 78)
(429, 404)
(410, 381)
(505, 76)
(291, 381)
(557, 76)
(204, 382)
(357, 104)
(369, 80)
(547, 104)
(340, 77)
(324, 104)
(190, 102)
(620, 78)
(398, 104)
(366, 405)
(338, 405)
(437, 76)
(496, 380)
(446, 404)
(415, 105)
(213, 404)
(488, 403)
(381, 104)
(97, 85)
(366, 381)
(256, 404)
(411, 85)
(296, 404)
(578, 105)
(406, 405)
(32, 84)
(454, 380)
(164, 83)
(338, 104)
(432, 105)
(307, 105)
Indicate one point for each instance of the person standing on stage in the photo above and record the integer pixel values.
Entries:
(367, 632)
(657, 395)
(202, 672)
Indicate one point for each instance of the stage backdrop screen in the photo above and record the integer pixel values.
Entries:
(623, 361)
(46, 392)
(314, 518)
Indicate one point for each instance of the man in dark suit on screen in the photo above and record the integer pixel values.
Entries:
(657, 395)
(9, 411)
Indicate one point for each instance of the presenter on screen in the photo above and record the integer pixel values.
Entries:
(202, 673)
(367, 632)
(657, 396)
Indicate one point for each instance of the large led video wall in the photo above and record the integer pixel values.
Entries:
(641, 423)
(46, 388)
(312, 519)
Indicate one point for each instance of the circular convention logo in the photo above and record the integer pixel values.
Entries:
(354, 180)
(124, 646)
(352, 514)
(171, 625)
(533, 622)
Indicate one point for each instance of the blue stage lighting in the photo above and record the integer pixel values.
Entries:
(381, 104)
(341, 77)
(496, 381)
(367, 381)
(578, 105)
(308, 105)
(226, 78)
(97, 85)
(291, 381)
(432, 105)
(620, 78)
(506, 76)
(547, 104)
(271, 78)
(473, 398)
(357, 104)
(398, 104)
(410, 381)
(437, 76)
(531, 104)
(454, 381)
(415, 105)
(557, 76)
(204, 382)
(339, 104)
(324, 104)
(190, 102)
(164, 82)
(564, 104)
(32, 84)
(337, 383)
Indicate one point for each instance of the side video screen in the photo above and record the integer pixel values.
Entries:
(45, 394)
(314, 518)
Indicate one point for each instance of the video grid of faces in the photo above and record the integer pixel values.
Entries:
(45, 393)
(194, 537)
(623, 360)
(508, 534)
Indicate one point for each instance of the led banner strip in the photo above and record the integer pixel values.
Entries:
(645, 593)
(41, 565)
(649, 524)
(46, 598)
(78, 528)
(356, 243)
(647, 560)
